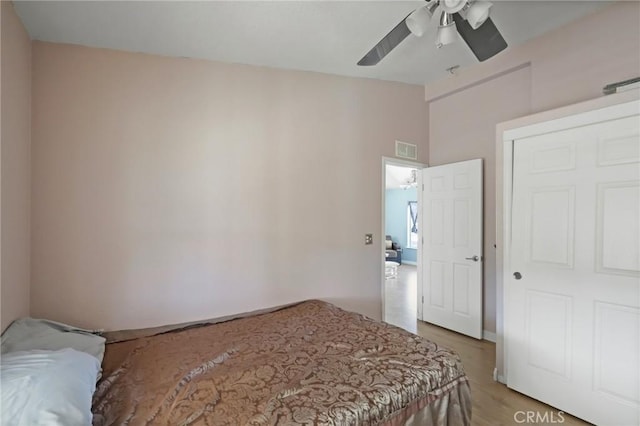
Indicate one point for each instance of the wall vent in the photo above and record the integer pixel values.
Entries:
(406, 150)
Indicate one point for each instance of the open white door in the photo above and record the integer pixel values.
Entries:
(452, 247)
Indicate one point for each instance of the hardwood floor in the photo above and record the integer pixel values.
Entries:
(493, 403)
(401, 298)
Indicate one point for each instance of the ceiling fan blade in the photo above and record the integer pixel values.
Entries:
(386, 45)
(484, 42)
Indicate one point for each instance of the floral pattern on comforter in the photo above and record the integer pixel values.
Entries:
(311, 363)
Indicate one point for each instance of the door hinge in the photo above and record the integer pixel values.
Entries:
(423, 300)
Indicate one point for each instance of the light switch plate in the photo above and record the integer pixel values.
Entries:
(368, 239)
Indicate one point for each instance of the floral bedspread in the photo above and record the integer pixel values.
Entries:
(311, 363)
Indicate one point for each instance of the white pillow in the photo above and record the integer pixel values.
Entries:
(47, 387)
(27, 334)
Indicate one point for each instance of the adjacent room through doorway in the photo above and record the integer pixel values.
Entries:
(401, 245)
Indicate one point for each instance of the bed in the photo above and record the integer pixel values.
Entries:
(309, 363)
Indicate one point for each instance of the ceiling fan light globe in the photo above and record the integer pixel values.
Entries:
(447, 34)
(478, 13)
(418, 21)
(452, 6)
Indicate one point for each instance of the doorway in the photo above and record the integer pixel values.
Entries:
(400, 248)
(445, 288)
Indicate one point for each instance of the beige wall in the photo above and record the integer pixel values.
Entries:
(168, 190)
(568, 65)
(15, 121)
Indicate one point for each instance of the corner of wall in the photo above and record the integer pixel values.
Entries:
(15, 168)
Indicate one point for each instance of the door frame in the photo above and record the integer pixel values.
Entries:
(419, 166)
(600, 109)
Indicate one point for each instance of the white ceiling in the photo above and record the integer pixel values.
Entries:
(395, 176)
(322, 36)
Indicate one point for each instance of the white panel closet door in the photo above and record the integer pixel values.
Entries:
(452, 246)
(574, 315)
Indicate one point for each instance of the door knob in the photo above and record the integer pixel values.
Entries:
(517, 275)
(474, 258)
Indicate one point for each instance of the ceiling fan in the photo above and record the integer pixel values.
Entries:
(469, 18)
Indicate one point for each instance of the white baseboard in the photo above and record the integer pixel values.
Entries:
(488, 335)
(408, 262)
